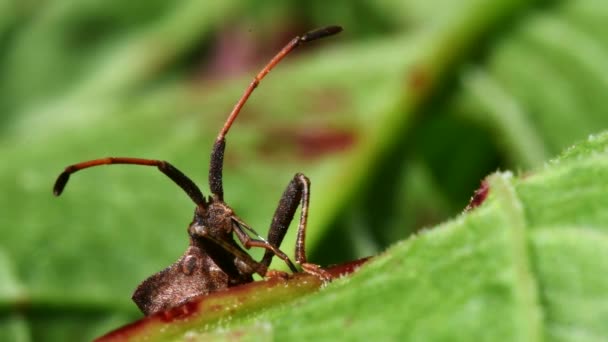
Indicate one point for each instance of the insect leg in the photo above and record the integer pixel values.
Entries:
(249, 242)
(298, 190)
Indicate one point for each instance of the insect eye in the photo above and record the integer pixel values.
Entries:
(200, 230)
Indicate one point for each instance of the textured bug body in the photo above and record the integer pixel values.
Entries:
(214, 260)
(197, 274)
(205, 267)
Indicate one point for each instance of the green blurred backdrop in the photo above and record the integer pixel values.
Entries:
(395, 121)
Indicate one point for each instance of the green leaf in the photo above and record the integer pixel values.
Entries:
(526, 265)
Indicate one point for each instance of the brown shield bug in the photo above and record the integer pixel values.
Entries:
(213, 260)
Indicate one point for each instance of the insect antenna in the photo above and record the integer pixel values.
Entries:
(169, 170)
(217, 153)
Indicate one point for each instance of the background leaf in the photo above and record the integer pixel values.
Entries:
(395, 122)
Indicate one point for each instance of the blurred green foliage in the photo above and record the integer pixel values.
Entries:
(395, 121)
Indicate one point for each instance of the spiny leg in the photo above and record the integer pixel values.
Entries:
(169, 170)
(244, 262)
(249, 242)
(217, 152)
(298, 190)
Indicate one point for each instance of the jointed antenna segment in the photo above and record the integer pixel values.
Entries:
(217, 154)
(292, 45)
(171, 171)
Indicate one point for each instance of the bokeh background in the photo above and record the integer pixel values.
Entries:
(395, 121)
